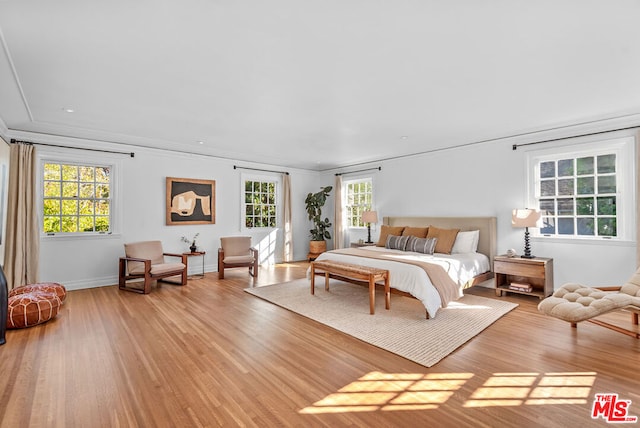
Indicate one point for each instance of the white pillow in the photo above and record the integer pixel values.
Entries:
(466, 242)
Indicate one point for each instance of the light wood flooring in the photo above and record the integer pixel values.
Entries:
(208, 354)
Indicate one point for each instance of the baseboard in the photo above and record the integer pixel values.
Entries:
(91, 283)
(194, 269)
(113, 280)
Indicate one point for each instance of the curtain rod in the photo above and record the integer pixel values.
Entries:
(258, 169)
(515, 146)
(360, 170)
(14, 141)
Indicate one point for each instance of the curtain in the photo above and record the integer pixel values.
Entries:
(637, 146)
(22, 249)
(288, 226)
(338, 223)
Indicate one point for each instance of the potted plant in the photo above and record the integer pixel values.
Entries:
(314, 203)
(193, 247)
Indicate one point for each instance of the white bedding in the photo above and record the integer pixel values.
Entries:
(413, 279)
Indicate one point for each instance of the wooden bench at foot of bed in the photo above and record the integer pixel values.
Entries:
(353, 272)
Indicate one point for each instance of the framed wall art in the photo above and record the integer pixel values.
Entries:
(191, 201)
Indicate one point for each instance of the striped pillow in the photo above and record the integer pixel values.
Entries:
(397, 242)
(421, 245)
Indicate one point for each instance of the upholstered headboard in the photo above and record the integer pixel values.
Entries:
(486, 225)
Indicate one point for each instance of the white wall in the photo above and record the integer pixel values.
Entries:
(489, 180)
(92, 261)
(480, 180)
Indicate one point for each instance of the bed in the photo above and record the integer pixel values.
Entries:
(411, 272)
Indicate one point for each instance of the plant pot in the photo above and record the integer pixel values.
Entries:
(317, 247)
(193, 248)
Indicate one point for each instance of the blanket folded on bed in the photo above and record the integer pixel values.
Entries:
(446, 287)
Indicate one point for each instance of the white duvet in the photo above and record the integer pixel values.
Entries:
(413, 279)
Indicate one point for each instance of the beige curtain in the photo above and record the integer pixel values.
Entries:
(338, 223)
(22, 249)
(637, 143)
(288, 225)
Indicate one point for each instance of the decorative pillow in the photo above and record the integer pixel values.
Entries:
(418, 232)
(445, 238)
(421, 245)
(397, 242)
(386, 231)
(466, 242)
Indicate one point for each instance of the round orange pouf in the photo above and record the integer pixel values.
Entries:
(49, 287)
(32, 308)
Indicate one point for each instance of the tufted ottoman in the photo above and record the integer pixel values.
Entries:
(575, 302)
(34, 304)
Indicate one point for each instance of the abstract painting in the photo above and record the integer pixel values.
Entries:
(191, 201)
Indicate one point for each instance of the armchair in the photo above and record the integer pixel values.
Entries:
(145, 260)
(236, 251)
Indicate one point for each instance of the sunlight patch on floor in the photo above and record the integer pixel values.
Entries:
(392, 391)
(378, 391)
(458, 305)
(514, 389)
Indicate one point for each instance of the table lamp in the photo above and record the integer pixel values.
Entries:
(525, 218)
(369, 217)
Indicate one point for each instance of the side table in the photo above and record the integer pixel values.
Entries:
(536, 272)
(193, 254)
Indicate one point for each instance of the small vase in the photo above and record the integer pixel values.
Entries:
(193, 248)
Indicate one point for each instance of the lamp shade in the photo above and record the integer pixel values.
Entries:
(369, 217)
(525, 217)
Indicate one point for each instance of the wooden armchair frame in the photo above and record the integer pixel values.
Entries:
(568, 303)
(253, 266)
(633, 309)
(124, 276)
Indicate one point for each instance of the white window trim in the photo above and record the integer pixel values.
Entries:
(260, 177)
(345, 184)
(624, 148)
(62, 156)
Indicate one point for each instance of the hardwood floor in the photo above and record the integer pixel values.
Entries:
(208, 354)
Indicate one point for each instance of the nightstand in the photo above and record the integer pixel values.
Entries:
(536, 272)
(363, 244)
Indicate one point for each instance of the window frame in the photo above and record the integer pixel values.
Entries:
(345, 193)
(624, 149)
(59, 156)
(277, 180)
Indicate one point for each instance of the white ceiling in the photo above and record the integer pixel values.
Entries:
(314, 84)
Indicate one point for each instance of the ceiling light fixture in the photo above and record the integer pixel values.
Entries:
(68, 110)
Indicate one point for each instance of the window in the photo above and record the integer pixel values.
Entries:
(260, 203)
(76, 198)
(585, 193)
(359, 194)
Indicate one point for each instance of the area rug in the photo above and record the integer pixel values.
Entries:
(403, 330)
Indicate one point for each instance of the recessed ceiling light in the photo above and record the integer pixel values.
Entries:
(404, 137)
(200, 142)
(68, 110)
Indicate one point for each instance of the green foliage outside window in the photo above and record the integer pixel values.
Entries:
(358, 199)
(76, 198)
(578, 196)
(260, 203)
